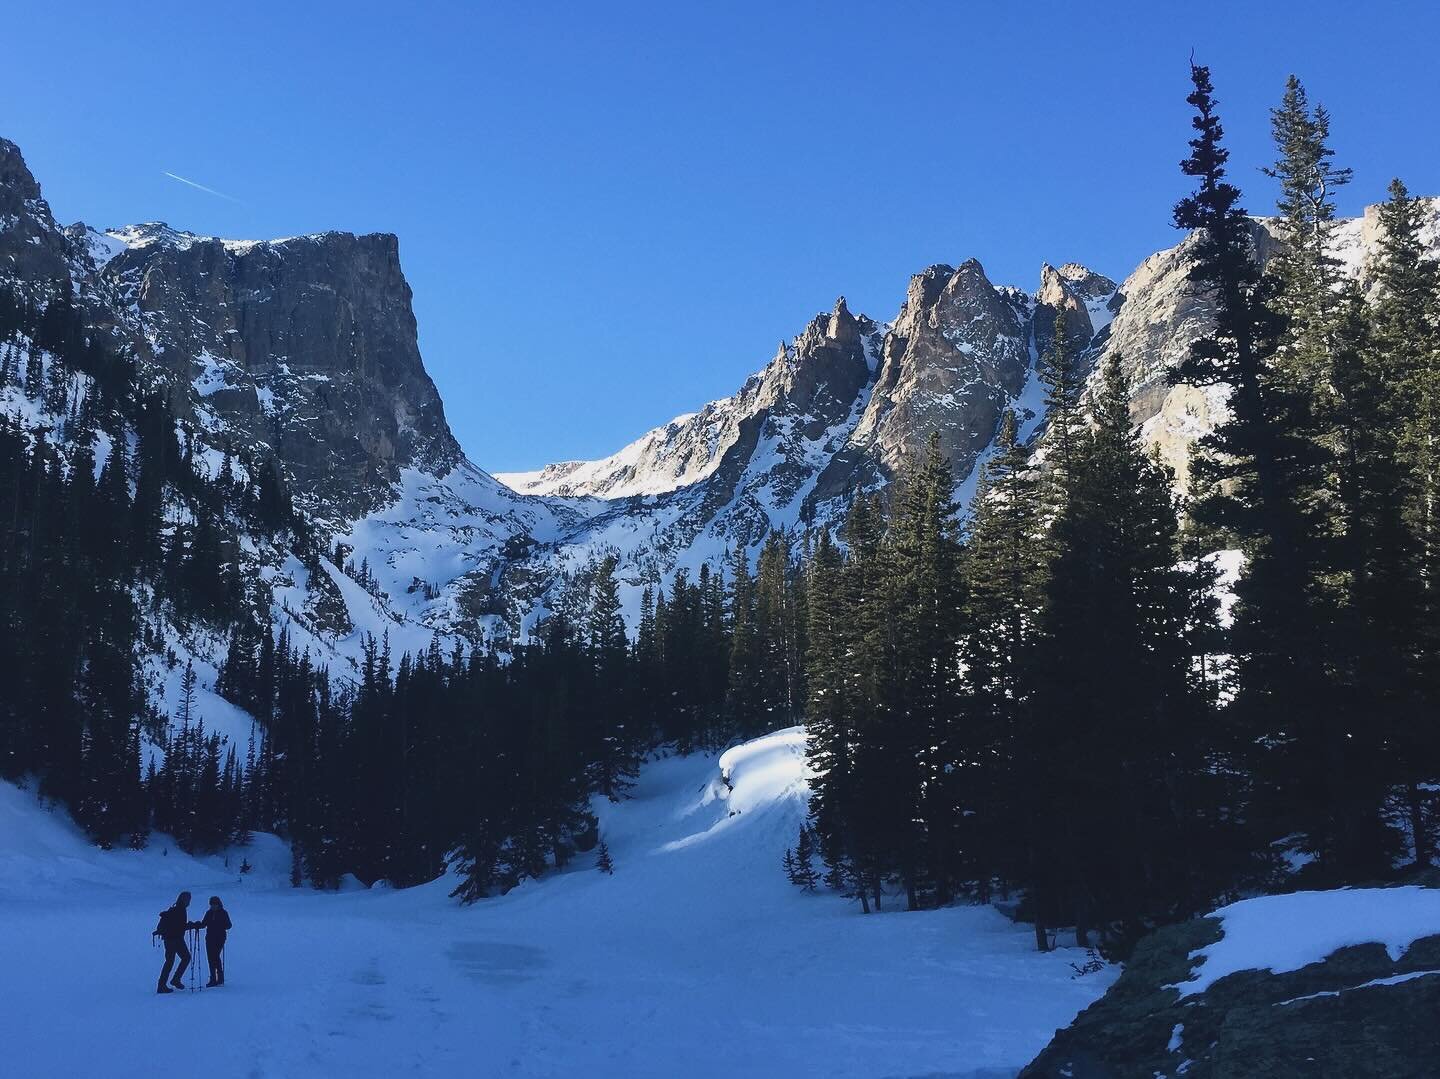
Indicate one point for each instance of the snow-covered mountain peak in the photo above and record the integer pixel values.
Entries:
(828, 358)
(303, 351)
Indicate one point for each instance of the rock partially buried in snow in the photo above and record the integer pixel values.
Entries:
(1342, 983)
(1281, 933)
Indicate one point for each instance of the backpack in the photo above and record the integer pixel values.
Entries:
(171, 924)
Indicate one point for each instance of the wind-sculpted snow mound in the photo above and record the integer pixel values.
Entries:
(761, 782)
(768, 772)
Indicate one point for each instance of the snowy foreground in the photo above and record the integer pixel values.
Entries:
(696, 958)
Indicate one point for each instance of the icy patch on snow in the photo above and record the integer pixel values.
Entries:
(1281, 933)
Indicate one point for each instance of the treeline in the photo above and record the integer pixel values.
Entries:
(1050, 703)
(113, 530)
(123, 530)
(490, 756)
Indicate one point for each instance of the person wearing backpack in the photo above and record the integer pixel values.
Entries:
(216, 924)
(171, 930)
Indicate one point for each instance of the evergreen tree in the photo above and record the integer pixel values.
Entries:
(1113, 701)
(829, 731)
(745, 694)
(1261, 470)
(616, 751)
(1398, 376)
(925, 561)
(778, 680)
(1306, 270)
(1005, 566)
(1061, 379)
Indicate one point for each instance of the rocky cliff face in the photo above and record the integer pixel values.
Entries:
(959, 352)
(308, 344)
(305, 345)
(35, 255)
(301, 351)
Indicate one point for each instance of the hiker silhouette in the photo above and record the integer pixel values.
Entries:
(216, 924)
(171, 931)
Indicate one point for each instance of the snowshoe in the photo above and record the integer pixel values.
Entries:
(163, 988)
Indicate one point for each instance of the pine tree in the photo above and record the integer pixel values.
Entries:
(603, 861)
(829, 732)
(745, 692)
(857, 810)
(1061, 379)
(1400, 370)
(1307, 272)
(617, 750)
(799, 861)
(925, 557)
(1113, 701)
(1005, 564)
(1261, 469)
(777, 677)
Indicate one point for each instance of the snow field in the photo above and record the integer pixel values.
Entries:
(696, 958)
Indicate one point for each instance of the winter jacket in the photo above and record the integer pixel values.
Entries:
(216, 922)
(172, 924)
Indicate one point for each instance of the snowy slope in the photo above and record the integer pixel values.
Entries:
(695, 958)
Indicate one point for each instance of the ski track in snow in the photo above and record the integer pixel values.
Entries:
(696, 958)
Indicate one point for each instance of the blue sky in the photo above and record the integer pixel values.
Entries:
(612, 213)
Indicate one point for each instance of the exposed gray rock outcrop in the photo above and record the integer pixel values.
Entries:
(308, 344)
(1358, 1014)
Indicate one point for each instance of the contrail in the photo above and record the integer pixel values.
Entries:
(202, 187)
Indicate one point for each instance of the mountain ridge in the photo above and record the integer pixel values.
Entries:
(303, 350)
